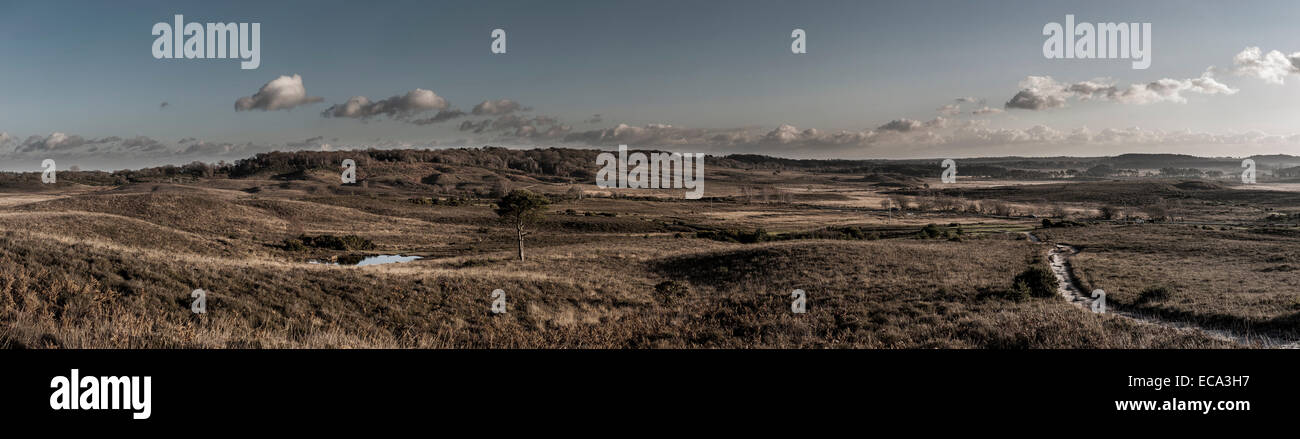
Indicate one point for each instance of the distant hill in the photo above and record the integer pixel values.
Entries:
(477, 168)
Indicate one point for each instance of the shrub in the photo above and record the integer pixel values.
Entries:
(672, 292)
(733, 235)
(1039, 280)
(1018, 292)
(1062, 223)
(1153, 293)
(331, 242)
(931, 231)
(853, 232)
(451, 201)
(759, 235)
(294, 245)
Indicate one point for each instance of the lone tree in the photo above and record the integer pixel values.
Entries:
(521, 208)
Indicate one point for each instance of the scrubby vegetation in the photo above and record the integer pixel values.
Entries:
(108, 259)
(1232, 279)
(1038, 280)
(329, 242)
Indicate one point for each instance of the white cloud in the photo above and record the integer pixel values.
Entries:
(1273, 67)
(497, 107)
(53, 142)
(1170, 90)
(397, 107)
(1039, 93)
(1043, 92)
(441, 116)
(908, 125)
(512, 125)
(69, 144)
(281, 93)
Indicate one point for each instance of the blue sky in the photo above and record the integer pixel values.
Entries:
(679, 74)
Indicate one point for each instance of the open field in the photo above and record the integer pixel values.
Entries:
(100, 260)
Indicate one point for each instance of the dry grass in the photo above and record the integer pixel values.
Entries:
(889, 294)
(1243, 278)
(114, 268)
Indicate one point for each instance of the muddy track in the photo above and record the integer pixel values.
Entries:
(1068, 287)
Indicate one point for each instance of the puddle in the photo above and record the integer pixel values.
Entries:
(362, 260)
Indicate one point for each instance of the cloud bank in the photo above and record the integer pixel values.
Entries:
(1043, 92)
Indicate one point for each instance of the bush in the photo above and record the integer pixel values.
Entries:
(1154, 293)
(1039, 280)
(1047, 224)
(1018, 292)
(835, 232)
(853, 232)
(294, 245)
(672, 292)
(451, 201)
(330, 242)
(932, 231)
(733, 235)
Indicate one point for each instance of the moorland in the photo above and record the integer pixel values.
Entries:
(887, 255)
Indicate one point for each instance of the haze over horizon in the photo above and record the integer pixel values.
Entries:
(929, 79)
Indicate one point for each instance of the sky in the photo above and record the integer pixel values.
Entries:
(892, 79)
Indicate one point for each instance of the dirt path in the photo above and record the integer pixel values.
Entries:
(1068, 286)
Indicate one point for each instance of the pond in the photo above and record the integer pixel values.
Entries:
(362, 260)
